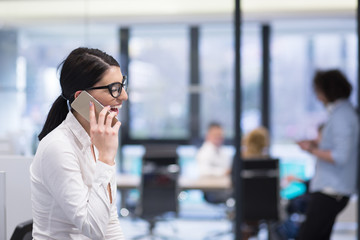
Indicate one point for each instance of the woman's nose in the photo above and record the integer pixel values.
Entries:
(123, 96)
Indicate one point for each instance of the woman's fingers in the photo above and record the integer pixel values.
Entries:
(109, 119)
(117, 125)
(102, 115)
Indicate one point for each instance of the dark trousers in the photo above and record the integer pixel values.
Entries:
(320, 216)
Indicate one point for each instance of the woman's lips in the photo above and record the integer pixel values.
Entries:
(116, 110)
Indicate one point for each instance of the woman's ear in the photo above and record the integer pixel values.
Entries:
(77, 94)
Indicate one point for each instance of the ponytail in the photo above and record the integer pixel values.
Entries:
(56, 115)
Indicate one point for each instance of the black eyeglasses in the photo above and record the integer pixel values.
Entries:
(114, 88)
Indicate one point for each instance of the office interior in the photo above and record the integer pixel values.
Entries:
(180, 62)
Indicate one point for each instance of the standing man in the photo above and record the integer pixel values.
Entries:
(336, 156)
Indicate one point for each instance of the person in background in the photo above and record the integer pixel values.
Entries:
(213, 161)
(296, 208)
(73, 172)
(256, 144)
(336, 155)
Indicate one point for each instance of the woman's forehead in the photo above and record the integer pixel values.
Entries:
(113, 74)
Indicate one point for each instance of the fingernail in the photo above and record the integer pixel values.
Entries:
(91, 103)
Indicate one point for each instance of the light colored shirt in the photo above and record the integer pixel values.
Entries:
(69, 188)
(212, 160)
(340, 136)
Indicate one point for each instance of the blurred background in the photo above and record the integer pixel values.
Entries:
(166, 101)
(173, 96)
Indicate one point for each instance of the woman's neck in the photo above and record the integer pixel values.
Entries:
(83, 122)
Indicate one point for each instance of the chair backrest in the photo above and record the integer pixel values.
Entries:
(159, 182)
(261, 193)
(23, 231)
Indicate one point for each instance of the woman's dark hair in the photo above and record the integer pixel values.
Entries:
(333, 84)
(82, 69)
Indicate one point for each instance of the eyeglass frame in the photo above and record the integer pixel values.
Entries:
(108, 87)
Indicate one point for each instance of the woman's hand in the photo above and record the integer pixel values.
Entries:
(103, 136)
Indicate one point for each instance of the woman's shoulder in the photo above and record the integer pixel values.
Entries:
(58, 140)
(55, 151)
(59, 134)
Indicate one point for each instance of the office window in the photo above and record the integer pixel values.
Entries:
(291, 87)
(351, 63)
(292, 79)
(217, 77)
(251, 69)
(158, 83)
(324, 58)
(45, 48)
(39, 52)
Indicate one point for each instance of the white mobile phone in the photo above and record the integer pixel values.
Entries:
(81, 104)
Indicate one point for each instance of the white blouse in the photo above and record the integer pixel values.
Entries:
(69, 188)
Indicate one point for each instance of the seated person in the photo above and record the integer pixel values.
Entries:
(255, 144)
(213, 161)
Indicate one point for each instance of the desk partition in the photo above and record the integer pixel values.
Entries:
(2, 206)
(18, 194)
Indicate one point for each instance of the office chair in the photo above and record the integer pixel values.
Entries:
(260, 193)
(23, 231)
(159, 186)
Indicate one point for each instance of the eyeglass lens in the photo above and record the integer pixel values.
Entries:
(115, 88)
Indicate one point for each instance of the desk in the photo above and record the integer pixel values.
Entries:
(205, 183)
(126, 181)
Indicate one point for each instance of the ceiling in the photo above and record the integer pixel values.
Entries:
(15, 12)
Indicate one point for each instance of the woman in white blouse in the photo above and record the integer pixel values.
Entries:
(73, 172)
